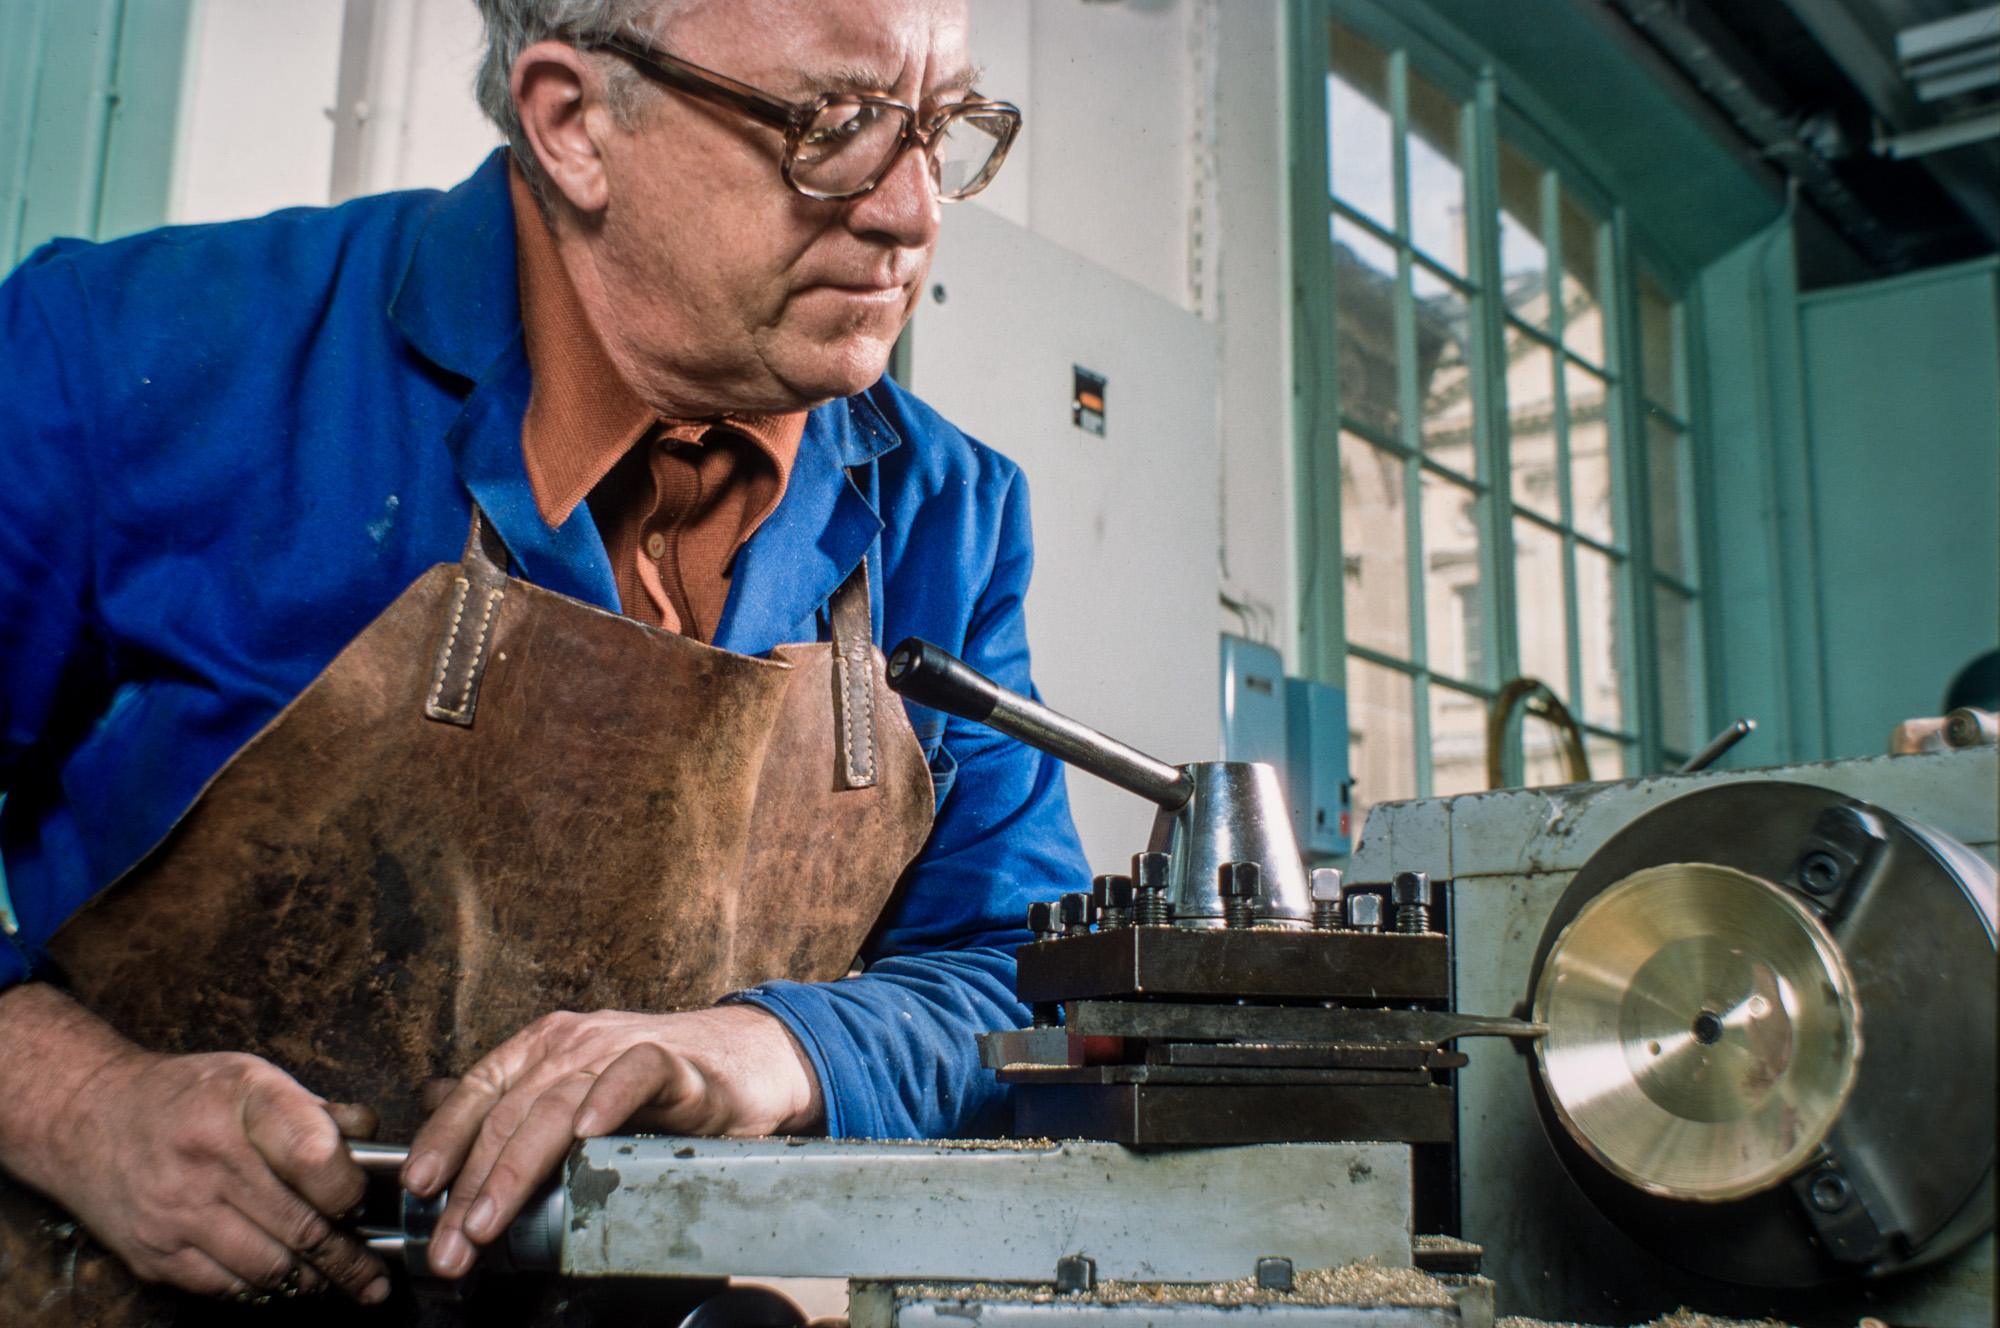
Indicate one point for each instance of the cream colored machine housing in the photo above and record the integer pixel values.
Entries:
(1512, 856)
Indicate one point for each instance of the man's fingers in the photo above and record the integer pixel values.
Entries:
(243, 1247)
(301, 1144)
(483, 1204)
(197, 1271)
(434, 1092)
(309, 1237)
(647, 1075)
(354, 1120)
(441, 1145)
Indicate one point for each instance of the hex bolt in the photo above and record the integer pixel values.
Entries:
(1326, 891)
(1411, 894)
(1113, 897)
(1077, 911)
(1364, 911)
(1240, 884)
(1042, 919)
(1274, 1274)
(1076, 1272)
(1150, 905)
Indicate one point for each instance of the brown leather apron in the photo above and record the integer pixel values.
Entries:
(494, 803)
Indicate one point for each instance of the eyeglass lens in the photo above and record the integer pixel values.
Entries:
(849, 144)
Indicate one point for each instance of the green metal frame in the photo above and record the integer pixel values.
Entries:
(90, 108)
(1317, 419)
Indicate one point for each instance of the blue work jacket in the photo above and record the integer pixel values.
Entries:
(225, 449)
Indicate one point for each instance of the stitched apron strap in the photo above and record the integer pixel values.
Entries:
(851, 617)
(467, 627)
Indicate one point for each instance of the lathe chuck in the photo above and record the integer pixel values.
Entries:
(1770, 1055)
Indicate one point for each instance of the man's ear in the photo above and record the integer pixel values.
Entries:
(557, 95)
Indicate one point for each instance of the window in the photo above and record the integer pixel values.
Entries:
(1512, 474)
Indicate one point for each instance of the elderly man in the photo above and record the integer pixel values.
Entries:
(424, 619)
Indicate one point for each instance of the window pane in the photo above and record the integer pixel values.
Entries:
(1679, 724)
(1444, 371)
(1607, 758)
(1665, 466)
(1589, 454)
(1458, 742)
(1375, 556)
(1359, 131)
(1437, 182)
(1656, 335)
(1381, 723)
(1583, 314)
(1531, 411)
(1599, 623)
(1364, 274)
(1524, 259)
(1452, 598)
(1540, 609)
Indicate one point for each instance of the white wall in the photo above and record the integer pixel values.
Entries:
(256, 135)
(1153, 145)
(264, 89)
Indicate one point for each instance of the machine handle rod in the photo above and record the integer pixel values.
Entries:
(377, 1158)
(1717, 745)
(934, 677)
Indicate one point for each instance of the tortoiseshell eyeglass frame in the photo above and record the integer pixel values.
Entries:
(792, 119)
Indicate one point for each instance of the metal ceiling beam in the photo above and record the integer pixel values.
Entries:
(1773, 132)
(1862, 57)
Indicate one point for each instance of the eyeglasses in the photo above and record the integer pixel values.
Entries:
(840, 145)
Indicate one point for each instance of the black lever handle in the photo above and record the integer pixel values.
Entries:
(932, 676)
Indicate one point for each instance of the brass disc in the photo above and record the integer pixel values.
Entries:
(1703, 1033)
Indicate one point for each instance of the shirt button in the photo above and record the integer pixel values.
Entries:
(656, 546)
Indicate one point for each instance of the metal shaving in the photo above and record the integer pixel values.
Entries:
(1680, 1318)
(1364, 1285)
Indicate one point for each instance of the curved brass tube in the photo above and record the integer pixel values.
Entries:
(1534, 696)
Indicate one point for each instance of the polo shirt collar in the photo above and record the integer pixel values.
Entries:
(459, 305)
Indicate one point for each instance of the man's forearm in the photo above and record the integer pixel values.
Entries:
(50, 1049)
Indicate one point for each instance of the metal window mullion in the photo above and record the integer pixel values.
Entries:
(1631, 487)
(1559, 434)
(1410, 408)
(1487, 324)
(1315, 403)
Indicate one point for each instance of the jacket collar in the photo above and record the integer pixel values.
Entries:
(459, 305)
(459, 302)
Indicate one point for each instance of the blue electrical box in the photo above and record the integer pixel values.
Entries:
(1316, 767)
(1300, 727)
(1253, 702)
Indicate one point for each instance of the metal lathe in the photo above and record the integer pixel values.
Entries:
(1590, 1053)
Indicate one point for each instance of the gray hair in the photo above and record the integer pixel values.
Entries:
(512, 26)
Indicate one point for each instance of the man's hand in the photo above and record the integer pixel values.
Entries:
(216, 1173)
(502, 1128)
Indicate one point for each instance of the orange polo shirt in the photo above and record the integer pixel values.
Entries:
(673, 499)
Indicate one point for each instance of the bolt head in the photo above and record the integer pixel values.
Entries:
(1150, 870)
(1274, 1274)
(1118, 892)
(1077, 911)
(1819, 872)
(1326, 885)
(1240, 880)
(1364, 910)
(1411, 888)
(1830, 1192)
(1041, 917)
